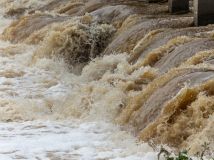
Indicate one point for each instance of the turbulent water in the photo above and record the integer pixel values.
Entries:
(98, 79)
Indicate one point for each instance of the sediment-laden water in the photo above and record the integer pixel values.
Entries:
(98, 79)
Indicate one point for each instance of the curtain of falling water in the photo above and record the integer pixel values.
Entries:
(71, 71)
(35, 120)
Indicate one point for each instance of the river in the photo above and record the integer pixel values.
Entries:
(89, 80)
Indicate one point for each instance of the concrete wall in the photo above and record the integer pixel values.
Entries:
(203, 12)
(176, 6)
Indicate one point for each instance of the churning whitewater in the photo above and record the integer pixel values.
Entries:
(103, 80)
(34, 114)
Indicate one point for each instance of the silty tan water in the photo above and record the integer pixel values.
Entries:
(95, 79)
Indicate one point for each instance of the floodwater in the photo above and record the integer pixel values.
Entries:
(99, 80)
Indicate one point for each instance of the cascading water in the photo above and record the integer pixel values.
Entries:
(90, 79)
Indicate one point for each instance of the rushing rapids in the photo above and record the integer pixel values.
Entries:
(103, 79)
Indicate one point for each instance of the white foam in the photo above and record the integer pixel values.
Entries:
(69, 140)
(45, 91)
(41, 92)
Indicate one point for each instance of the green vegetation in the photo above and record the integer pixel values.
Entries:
(183, 155)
